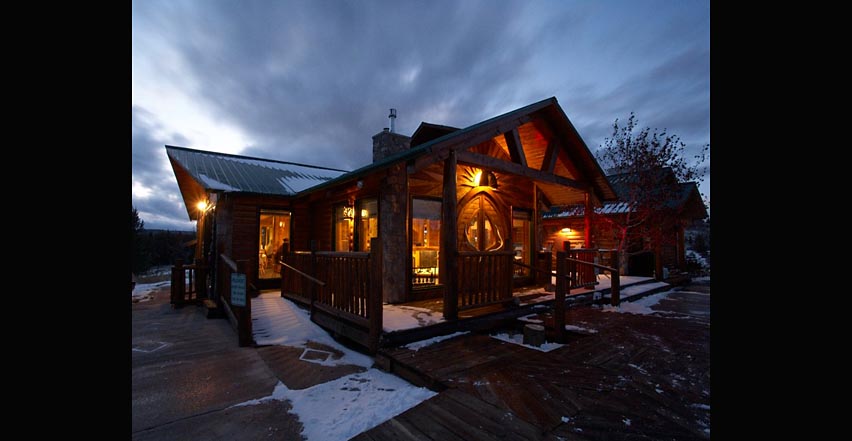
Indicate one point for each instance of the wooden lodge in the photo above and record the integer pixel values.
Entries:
(447, 213)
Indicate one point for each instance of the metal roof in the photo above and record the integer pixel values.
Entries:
(226, 172)
(687, 192)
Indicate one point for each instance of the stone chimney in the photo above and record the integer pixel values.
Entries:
(387, 143)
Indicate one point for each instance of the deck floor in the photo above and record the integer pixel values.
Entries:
(639, 377)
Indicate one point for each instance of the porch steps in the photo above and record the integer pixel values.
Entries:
(508, 317)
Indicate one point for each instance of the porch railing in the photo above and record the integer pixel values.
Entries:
(486, 278)
(238, 315)
(189, 282)
(562, 288)
(344, 290)
(582, 275)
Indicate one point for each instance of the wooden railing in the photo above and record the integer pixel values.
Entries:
(344, 290)
(189, 282)
(562, 288)
(238, 315)
(485, 278)
(582, 276)
(298, 288)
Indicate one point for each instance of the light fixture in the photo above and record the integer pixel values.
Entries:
(201, 205)
(364, 213)
(565, 230)
(477, 178)
(281, 224)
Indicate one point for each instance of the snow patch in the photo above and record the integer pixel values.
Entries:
(518, 339)
(565, 419)
(580, 329)
(343, 408)
(641, 306)
(399, 317)
(626, 421)
(278, 321)
(423, 343)
(142, 292)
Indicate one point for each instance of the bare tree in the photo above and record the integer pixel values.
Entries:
(649, 165)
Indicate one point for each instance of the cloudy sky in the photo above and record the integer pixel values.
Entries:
(312, 81)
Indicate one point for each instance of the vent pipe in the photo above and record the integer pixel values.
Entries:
(392, 117)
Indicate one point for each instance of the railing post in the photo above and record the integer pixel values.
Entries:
(615, 294)
(177, 283)
(243, 313)
(313, 272)
(374, 307)
(200, 279)
(559, 305)
(285, 251)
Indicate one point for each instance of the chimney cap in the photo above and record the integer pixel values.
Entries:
(386, 130)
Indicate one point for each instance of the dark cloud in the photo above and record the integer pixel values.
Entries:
(159, 204)
(312, 81)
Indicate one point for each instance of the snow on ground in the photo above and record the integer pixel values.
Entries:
(518, 339)
(278, 321)
(343, 408)
(701, 279)
(398, 317)
(641, 306)
(580, 329)
(416, 346)
(142, 292)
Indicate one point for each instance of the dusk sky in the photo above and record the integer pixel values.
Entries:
(312, 81)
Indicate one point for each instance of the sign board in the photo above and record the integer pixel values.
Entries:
(238, 289)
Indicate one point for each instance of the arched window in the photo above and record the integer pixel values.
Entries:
(481, 232)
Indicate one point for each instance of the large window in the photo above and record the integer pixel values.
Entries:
(274, 232)
(343, 218)
(425, 241)
(368, 222)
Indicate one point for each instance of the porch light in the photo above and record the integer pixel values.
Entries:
(565, 230)
(477, 178)
(201, 205)
(364, 213)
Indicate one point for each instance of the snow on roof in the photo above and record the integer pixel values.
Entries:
(221, 171)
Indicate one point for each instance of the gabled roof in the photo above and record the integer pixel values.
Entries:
(687, 202)
(428, 131)
(548, 109)
(211, 171)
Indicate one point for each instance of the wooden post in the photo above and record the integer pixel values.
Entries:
(561, 288)
(243, 313)
(615, 292)
(374, 307)
(658, 260)
(449, 246)
(313, 272)
(178, 283)
(200, 279)
(587, 222)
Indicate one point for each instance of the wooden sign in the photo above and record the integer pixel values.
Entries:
(238, 289)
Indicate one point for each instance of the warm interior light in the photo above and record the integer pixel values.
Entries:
(202, 205)
(281, 224)
(566, 230)
(477, 178)
(364, 213)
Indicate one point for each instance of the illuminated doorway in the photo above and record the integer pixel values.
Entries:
(273, 233)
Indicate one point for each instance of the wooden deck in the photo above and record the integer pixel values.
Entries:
(639, 377)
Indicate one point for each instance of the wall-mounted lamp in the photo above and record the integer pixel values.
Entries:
(565, 230)
(201, 205)
(364, 213)
(487, 179)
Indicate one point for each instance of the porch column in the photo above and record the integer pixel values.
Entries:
(449, 238)
(587, 222)
(393, 229)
